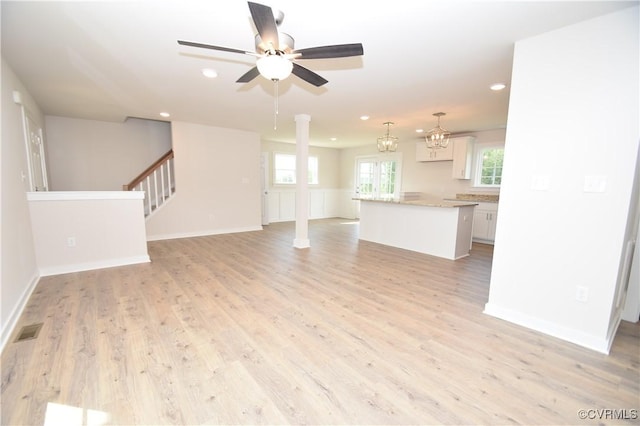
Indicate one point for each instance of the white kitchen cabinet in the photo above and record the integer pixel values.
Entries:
(485, 218)
(462, 153)
(441, 154)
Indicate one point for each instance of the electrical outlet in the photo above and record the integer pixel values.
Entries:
(71, 241)
(582, 294)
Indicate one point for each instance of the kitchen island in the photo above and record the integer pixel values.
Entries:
(440, 228)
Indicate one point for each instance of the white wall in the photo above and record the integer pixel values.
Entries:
(18, 269)
(217, 173)
(573, 113)
(90, 155)
(106, 227)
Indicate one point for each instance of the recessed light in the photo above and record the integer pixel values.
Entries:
(165, 114)
(364, 117)
(497, 86)
(419, 130)
(210, 73)
(333, 139)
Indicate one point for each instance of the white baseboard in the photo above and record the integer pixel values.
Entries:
(12, 321)
(88, 266)
(589, 341)
(202, 233)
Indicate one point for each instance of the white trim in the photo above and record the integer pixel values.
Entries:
(12, 320)
(570, 335)
(84, 195)
(89, 266)
(202, 233)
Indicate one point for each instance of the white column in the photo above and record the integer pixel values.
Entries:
(302, 181)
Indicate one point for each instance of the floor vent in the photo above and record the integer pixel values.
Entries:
(29, 332)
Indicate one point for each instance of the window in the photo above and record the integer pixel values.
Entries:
(284, 166)
(489, 166)
(378, 177)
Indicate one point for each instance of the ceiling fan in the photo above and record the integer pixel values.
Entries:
(275, 50)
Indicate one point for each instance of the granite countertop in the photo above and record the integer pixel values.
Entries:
(432, 202)
(481, 198)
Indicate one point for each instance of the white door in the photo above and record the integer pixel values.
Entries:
(366, 182)
(387, 187)
(264, 173)
(377, 177)
(35, 150)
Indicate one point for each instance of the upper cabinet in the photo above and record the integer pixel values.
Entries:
(425, 154)
(460, 150)
(462, 157)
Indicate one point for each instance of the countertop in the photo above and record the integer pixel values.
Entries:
(433, 202)
(481, 198)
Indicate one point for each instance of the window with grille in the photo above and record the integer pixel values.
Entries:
(489, 167)
(284, 166)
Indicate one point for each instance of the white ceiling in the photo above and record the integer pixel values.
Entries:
(117, 59)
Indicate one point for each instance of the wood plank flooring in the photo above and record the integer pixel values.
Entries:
(245, 329)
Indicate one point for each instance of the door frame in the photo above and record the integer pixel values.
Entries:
(33, 168)
(264, 187)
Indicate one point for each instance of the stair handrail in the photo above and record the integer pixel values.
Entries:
(148, 171)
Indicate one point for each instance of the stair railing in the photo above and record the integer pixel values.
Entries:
(157, 181)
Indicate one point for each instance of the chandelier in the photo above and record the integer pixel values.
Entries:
(387, 143)
(437, 137)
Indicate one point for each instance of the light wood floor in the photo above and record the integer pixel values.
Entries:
(245, 329)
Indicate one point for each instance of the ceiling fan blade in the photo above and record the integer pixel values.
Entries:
(308, 75)
(265, 24)
(209, 46)
(335, 51)
(249, 75)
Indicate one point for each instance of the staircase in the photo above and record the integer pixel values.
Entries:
(157, 182)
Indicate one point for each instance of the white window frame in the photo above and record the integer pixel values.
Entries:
(397, 157)
(477, 179)
(313, 167)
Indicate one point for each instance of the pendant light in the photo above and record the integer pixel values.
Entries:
(437, 137)
(387, 143)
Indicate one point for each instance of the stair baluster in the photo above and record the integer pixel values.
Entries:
(156, 193)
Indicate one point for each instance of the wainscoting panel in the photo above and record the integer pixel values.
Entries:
(323, 203)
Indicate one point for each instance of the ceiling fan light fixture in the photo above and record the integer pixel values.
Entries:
(387, 143)
(437, 137)
(286, 44)
(274, 67)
